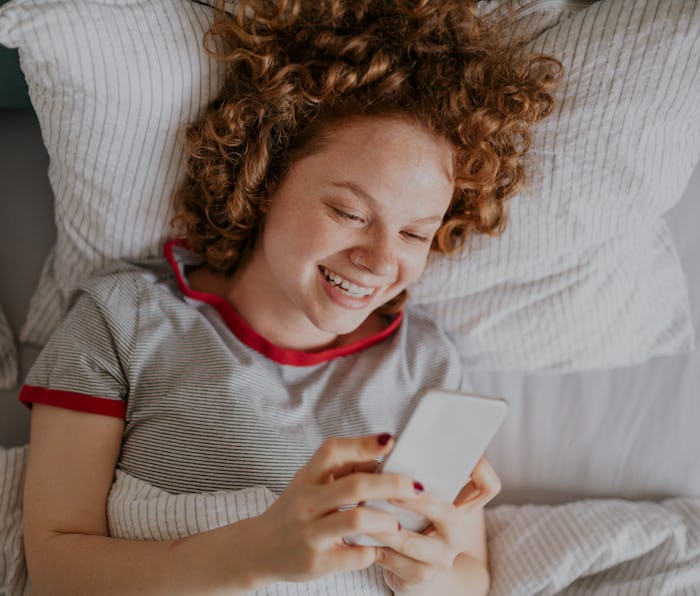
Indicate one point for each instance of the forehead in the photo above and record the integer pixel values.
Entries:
(398, 132)
(383, 155)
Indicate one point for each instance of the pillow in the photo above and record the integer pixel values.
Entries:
(8, 355)
(570, 284)
(112, 83)
(586, 275)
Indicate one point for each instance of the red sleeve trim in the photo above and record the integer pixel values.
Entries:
(72, 401)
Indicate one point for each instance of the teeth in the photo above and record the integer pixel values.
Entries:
(344, 284)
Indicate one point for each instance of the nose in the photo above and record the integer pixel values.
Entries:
(378, 254)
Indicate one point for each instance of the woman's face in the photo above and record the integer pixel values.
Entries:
(351, 225)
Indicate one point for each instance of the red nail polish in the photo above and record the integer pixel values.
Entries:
(418, 486)
(383, 439)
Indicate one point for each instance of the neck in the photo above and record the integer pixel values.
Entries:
(259, 306)
(260, 309)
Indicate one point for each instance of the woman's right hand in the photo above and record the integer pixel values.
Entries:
(301, 534)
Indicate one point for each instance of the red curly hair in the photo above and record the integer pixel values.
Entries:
(294, 67)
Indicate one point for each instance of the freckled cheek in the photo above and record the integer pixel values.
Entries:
(324, 240)
(313, 246)
(292, 232)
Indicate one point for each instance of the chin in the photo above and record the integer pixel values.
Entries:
(339, 325)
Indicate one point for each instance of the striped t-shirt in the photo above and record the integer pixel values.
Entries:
(208, 403)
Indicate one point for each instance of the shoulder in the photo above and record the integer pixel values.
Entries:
(123, 283)
(120, 299)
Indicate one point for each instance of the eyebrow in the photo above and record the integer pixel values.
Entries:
(363, 194)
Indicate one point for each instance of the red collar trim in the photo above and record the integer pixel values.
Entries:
(253, 339)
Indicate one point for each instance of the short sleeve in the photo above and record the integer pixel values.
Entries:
(85, 364)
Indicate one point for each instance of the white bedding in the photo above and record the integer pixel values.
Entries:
(601, 546)
(597, 546)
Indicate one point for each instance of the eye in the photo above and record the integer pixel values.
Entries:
(415, 237)
(345, 215)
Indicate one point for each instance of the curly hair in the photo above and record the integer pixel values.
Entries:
(294, 66)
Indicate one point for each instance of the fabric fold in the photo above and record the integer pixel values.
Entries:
(8, 355)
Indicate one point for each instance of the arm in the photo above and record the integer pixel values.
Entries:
(72, 457)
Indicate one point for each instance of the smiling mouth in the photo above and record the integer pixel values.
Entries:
(344, 285)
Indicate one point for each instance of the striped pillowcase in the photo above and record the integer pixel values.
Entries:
(114, 81)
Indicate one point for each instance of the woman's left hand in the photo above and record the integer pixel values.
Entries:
(412, 561)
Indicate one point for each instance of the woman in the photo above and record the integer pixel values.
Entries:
(270, 350)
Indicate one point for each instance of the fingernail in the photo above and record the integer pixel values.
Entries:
(418, 486)
(383, 439)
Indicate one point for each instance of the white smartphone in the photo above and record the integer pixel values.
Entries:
(441, 441)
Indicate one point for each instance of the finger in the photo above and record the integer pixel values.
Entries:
(336, 453)
(332, 528)
(406, 569)
(364, 467)
(483, 486)
(422, 548)
(345, 558)
(485, 477)
(362, 487)
(442, 514)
